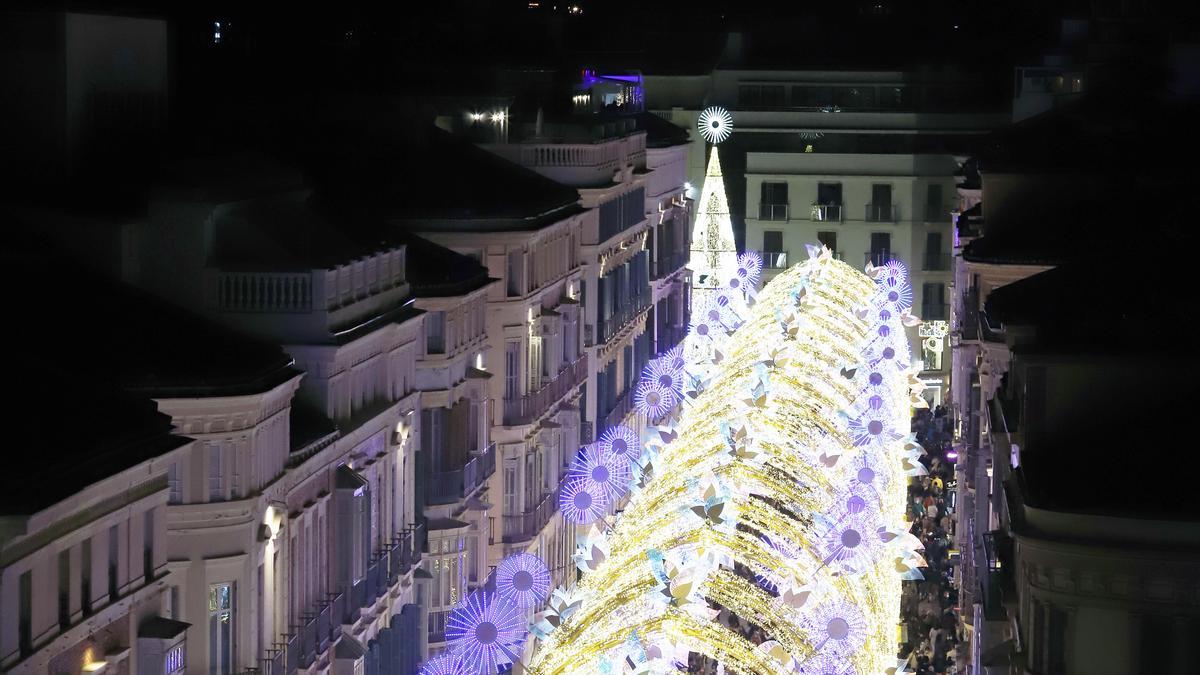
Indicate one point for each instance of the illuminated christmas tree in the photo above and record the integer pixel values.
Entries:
(714, 255)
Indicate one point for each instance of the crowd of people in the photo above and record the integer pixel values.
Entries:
(933, 633)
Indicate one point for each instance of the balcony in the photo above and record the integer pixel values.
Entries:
(668, 263)
(285, 292)
(668, 337)
(448, 487)
(774, 260)
(936, 262)
(882, 213)
(773, 212)
(527, 525)
(621, 407)
(878, 258)
(533, 405)
(626, 313)
(827, 213)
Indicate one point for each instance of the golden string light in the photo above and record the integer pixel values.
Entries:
(784, 379)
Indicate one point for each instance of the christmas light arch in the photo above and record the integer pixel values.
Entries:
(787, 459)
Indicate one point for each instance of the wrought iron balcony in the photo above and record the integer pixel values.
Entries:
(627, 312)
(447, 487)
(527, 408)
(525, 526)
(878, 258)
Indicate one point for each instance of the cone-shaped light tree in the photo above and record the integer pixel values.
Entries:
(713, 248)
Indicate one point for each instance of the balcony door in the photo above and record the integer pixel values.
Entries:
(881, 202)
(829, 194)
(881, 247)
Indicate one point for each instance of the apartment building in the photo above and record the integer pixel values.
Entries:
(860, 160)
(84, 583)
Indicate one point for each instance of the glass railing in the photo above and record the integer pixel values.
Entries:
(774, 260)
(882, 213)
(773, 212)
(827, 212)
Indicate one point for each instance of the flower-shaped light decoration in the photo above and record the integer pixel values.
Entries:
(749, 268)
(666, 371)
(893, 273)
(621, 441)
(895, 295)
(445, 664)
(485, 632)
(727, 306)
(523, 579)
(674, 358)
(853, 543)
(826, 664)
(715, 124)
(837, 627)
(873, 428)
(772, 580)
(706, 322)
(604, 471)
(560, 608)
(652, 399)
(581, 503)
(884, 353)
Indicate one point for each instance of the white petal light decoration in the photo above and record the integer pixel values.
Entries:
(715, 124)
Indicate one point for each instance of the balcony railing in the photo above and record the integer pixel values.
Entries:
(935, 262)
(621, 407)
(878, 258)
(628, 310)
(774, 260)
(882, 213)
(531, 406)
(827, 212)
(264, 292)
(669, 336)
(773, 212)
(447, 487)
(669, 263)
(526, 526)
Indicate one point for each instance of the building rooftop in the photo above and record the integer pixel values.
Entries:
(445, 183)
(436, 271)
(286, 233)
(70, 431)
(110, 333)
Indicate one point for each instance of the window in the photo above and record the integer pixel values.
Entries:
(64, 588)
(881, 248)
(934, 260)
(113, 552)
(761, 95)
(829, 239)
(435, 332)
(148, 545)
(829, 193)
(805, 96)
(510, 490)
(516, 273)
(216, 479)
(935, 210)
(220, 628)
(933, 302)
(854, 98)
(25, 613)
(880, 209)
(174, 485)
(85, 579)
(512, 369)
(895, 98)
(773, 201)
(772, 241)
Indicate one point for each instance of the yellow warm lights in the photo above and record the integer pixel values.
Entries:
(792, 428)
